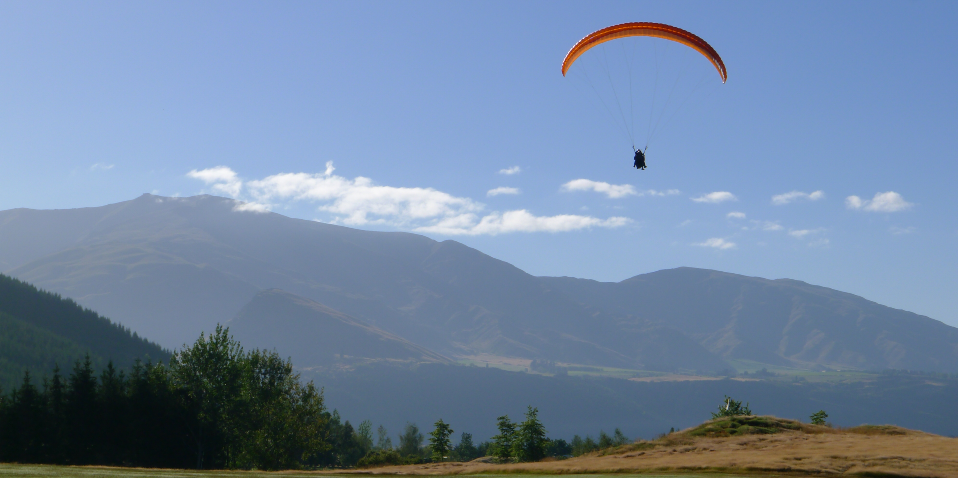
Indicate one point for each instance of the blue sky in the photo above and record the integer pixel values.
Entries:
(405, 116)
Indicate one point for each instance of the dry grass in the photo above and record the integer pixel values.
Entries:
(768, 445)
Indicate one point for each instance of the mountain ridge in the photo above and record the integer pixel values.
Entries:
(172, 267)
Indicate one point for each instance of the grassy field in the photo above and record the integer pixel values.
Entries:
(728, 447)
(754, 371)
(745, 446)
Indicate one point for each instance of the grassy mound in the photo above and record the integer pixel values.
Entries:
(746, 425)
(879, 430)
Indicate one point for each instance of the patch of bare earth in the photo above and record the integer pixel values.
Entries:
(788, 447)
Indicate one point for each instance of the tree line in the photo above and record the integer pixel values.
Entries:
(216, 406)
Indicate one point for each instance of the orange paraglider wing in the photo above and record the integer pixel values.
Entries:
(645, 29)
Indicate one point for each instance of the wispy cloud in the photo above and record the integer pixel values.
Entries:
(519, 221)
(510, 171)
(242, 206)
(655, 192)
(716, 243)
(502, 190)
(101, 166)
(360, 201)
(801, 233)
(821, 242)
(613, 191)
(882, 202)
(735, 215)
(716, 197)
(766, 225)
(793, 196)
(901, 230)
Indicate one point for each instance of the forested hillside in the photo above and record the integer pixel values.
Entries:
(39, 330)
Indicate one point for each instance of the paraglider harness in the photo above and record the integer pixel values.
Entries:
(639, 159)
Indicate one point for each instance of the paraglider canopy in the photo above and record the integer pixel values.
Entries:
(645, 29)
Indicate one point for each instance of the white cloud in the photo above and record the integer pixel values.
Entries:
(793, 196)
(220, 178)
(241, 206)
(800, 233)
(518, 221)
(735, 215)
(101, 166)
(653, 192)
(510, 171)
(685, 223)
(823, 242)
(717, 243)
(716, 197)
(613, 191)
(360, 201)
(766, 225)
(901, 230)
(502, 190)
(882, 202)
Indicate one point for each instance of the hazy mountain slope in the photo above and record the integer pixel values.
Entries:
(172, 267)
(774, 321)
(39, 329)
(314, 335)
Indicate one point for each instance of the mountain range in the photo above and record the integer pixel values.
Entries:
(169, 268)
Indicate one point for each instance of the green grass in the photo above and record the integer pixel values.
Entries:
(743, 425)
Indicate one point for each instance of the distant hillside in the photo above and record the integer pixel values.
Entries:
(781, 322)
(39, 329)
(170, 268)
(314, 335)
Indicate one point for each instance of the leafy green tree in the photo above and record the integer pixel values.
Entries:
(278, 421)
(558, 448)
(410, 442)
(605, 441)
(530, 438)
(364, 436)
(380, 457)
(208, 380)
(466, 450)
(439, 440)
(383, 442)
(502, 444)
(731, 408)
(483, 448)
(619, 438)
(582, 446)
(818, 418)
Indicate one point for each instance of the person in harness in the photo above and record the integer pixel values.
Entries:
(639, 159)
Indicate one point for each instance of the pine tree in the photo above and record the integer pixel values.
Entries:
(82, 428)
